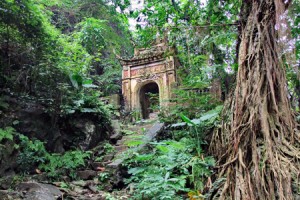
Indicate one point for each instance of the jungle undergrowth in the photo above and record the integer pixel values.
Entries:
(33, 158)
(176, 166)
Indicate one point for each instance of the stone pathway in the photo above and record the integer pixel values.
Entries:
(137, 137)
(100, 178)
(111, 164)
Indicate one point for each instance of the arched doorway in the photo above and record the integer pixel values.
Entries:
(149, 99)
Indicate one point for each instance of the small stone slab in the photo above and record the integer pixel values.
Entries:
(151, 134)
(178, 125)
(87, 174)
(153, 131)
(116, 136)
(96, 165)
(121, 148)
(108, 157)
(116, 126)
(116, 163)
(120, 142)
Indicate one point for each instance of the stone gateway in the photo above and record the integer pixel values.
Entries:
(148, 79)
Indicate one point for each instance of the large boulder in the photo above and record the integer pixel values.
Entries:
(39, 191)
(59, 132)
(86, 130)
(35, 122)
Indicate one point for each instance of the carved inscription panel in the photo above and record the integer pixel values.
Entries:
(145, 71)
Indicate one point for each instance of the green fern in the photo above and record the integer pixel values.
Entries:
(7, 133)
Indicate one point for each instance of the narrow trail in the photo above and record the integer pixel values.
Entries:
(108, 174)
(101, 178)
(137, 136)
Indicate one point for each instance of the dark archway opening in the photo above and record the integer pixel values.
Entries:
(149, 99)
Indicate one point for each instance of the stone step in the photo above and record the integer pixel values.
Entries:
(151, 134)
(129, 138)
(97, 165)
(116, 136)
(115, 164)
(120, 142)
(108, 157)
(87, 174)
(121, 148)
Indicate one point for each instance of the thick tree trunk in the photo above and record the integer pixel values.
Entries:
(261, 138)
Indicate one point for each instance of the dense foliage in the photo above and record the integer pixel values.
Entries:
(176, 165)
(204, 35)
(59, 58)
(56, 56)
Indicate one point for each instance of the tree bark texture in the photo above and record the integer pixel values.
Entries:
(258, 144)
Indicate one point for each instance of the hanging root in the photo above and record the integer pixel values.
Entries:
(258, 146)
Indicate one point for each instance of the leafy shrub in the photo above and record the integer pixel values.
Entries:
(188, 103)
(161, 173)
(164, 172)
(33, 155)
(67, 163)
(173, 167)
